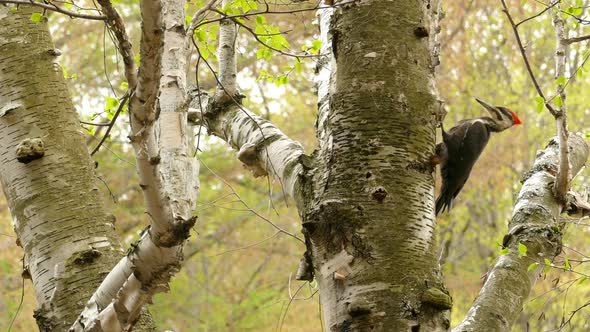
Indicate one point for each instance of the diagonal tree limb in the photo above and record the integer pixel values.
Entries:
(535, 224)
(262, 147)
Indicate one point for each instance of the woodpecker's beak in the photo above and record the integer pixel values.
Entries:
(493, 111)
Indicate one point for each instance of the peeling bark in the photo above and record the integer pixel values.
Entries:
(168, 174)
(535, 224)
(48, 177)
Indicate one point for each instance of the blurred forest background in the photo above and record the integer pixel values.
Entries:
(238, 273)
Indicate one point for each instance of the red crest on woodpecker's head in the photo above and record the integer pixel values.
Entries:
(515, 119)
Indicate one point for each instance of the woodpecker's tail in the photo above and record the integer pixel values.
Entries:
(445, 200)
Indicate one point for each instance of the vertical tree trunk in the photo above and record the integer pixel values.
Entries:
(48, 177)
(371, 219)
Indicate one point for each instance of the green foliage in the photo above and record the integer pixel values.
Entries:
(314, 47)
(522, 249)
(540, 103)
(36, 17)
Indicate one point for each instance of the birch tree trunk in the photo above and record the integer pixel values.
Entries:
(371, 220)
(48, 177)
(366, 196)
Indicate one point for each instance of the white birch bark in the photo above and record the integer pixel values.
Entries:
(262, 147)
(48, 177)
(168, 173)
(535, 223)
(372, 199)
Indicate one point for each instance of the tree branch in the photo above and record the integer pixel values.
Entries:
(562, 181)
(167, 171)
(261, 146)
(115, 23)
(578, 39)
(526, 60)
(122, 104)
(57, 9)
(535, 224)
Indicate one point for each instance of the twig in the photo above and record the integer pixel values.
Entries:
(122, 103)
(538, 14)
(257, 37)
(193, 24)
(56, 9)
(22, 298)
(526, 60)
(277, 227)
(116, 25)
(572, 40)
(267, 11)
(95, 124)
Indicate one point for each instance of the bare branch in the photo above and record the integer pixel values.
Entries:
(572, 40)
(55, 8)
(122, 104)
(197, 16)
(538, 14)
(526, 60)
(115, 23)
(267, 11)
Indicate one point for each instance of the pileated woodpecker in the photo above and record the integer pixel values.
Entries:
(462, 145)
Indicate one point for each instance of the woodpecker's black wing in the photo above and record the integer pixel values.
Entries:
(464, 143)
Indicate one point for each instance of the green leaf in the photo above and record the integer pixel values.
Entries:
(298, 65)
(567, 264)
(253, 5)
(316, 45)
(64, 72)
(211, 48)
(136, 59)
(582, 280)
(540, 103)
(547, 266)
(504, 251)
(579, 73)
(124, 86)
(532, 267)
(111, 103)
(260, 20)
(523, 2)
(36, 17)
(522, 249)
(204, 52)
(558, 101)
(560, 80)
(282, 80)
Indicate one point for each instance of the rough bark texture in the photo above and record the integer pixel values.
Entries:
(368, 214)
(535, 224)
(167, 171)
(48, 176)
(371, 222)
